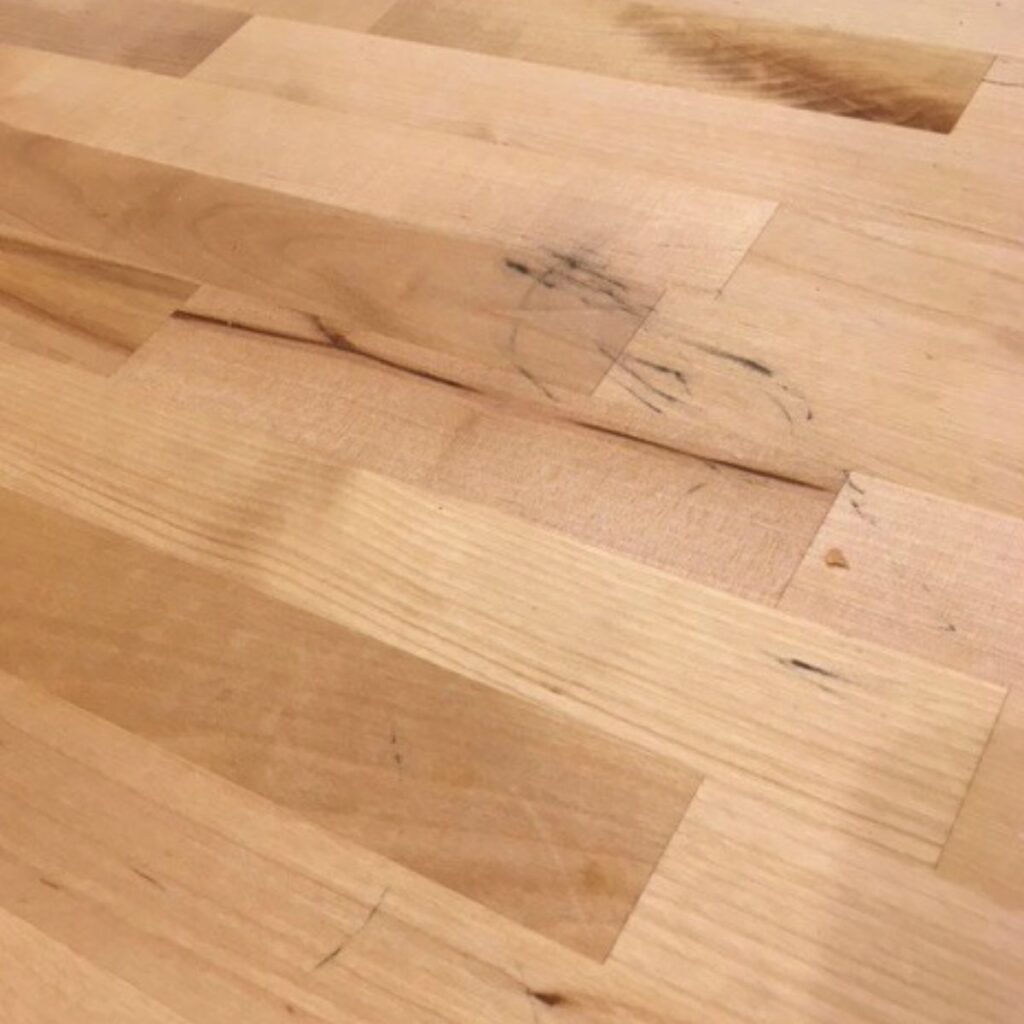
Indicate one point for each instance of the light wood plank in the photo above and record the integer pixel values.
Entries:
(163, 36)
(571, 218)
(371, 274)
(781, 920)
(678, 45)
(77, 308)
(943, 581)
(543, 820)
(731, 688)
(715, 524)
(239, 905)
(887, 348)
(810, 162)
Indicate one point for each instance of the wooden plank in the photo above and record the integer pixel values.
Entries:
(940, 580)
(78, 308)
(870, 345)
(674, 44)
(730, 688)
(778, 153)
(576, 218)
(781, 920)
(527, 812)
(239, 904)
(714, 524)
(155, 35)
(370, 274)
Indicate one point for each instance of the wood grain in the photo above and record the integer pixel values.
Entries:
(763, 698)
(940, 580)
(368, 273)
(780, 920)
(815, 345)
(672, 44)
(527, 812)
(815, 164)
(164, 36)
(350, 14)
(264, 368)
(78, 308)
(217, 903)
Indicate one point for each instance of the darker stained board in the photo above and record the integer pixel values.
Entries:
(873, 79)
(544, 820)
(164, 36)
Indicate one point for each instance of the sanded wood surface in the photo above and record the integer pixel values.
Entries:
(511, 512)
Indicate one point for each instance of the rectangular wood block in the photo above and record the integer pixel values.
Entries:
(545, 820)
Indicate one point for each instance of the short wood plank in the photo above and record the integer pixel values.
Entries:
(941, 580)
(781, 920)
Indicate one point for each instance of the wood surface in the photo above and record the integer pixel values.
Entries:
(511, 512)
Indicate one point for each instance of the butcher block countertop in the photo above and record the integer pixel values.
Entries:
(511, 513)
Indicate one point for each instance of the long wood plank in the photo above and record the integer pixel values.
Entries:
(680, 45)
(223, 906)
(611, 228)
(940, 580)
(163, 36)
(870, 345)
(811, 162)
(782, 921)
(712, 523)
(369, 274)
(527, 812)
(78, 308)
(730, 688)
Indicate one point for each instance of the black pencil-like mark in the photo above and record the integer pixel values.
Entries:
(396, 754)
(695, 488)
(949, 628)
(653, 388)
(780, 405)
(644, 401)
(812, 670)
(51, 884)
(745, 361)
(677, 375)
(859, 509)
(854, 486)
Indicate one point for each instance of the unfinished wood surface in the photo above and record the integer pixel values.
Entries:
(240, 905)
(892, 349)
(761, 698)
(943, 581)
(548, 822)
(811, 162)
(780, 920)
(78, 308)
(715, 524)
(371, 274)
(401, 404)
(164, 36)
(678, 45)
